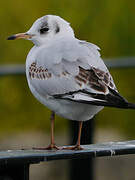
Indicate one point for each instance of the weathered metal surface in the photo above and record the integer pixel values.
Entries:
(94, 150)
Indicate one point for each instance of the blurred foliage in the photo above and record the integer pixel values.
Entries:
(109, 24)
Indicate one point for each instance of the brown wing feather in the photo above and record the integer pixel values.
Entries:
(96, 79)
(38, 72)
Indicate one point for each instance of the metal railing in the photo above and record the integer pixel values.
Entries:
(128, 62)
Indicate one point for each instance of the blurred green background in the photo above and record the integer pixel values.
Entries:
(109, 24)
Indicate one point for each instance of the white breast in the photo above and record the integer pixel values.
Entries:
(67, 109)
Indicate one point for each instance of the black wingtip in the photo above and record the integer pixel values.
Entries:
(11, 37)
(131, 106)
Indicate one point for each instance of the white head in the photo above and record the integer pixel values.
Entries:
(45, 29)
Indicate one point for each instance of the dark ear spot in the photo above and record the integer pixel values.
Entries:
(44, 24)
(57, 28)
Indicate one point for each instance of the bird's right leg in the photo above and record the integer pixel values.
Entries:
(52, 144)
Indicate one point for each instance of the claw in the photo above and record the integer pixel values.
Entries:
(76, 147)
(50, 147)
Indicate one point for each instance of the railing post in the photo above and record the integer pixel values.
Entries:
(82, 168)
(14, 172)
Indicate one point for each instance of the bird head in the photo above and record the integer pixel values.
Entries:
(45, 29)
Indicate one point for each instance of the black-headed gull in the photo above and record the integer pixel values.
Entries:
(67, 74)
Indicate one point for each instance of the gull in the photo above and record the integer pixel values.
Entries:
(67, 74)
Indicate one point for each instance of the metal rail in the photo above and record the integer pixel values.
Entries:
(14, 164)
(94, 150)
(19, 69)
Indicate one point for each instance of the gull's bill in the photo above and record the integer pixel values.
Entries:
(20, 36)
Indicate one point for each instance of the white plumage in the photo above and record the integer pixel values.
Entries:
(66, 74)
(60, 55)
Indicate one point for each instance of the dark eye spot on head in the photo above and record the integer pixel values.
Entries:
(44, 27)
(44, 30)
(57, 29)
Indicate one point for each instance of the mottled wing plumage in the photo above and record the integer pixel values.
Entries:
(76, 73)
(96, 79)
(38, 72)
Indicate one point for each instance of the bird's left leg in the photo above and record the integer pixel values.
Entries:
(52, 144)
(78, 144)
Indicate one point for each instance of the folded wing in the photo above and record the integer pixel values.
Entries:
(76, 73)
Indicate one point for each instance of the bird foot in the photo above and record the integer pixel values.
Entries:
(50, 147)
(76, 147)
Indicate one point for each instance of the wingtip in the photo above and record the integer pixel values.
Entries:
(131, 106)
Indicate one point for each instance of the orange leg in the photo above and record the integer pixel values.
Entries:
(52, 145)
(77, 146)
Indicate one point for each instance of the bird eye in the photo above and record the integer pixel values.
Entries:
(43, 30)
